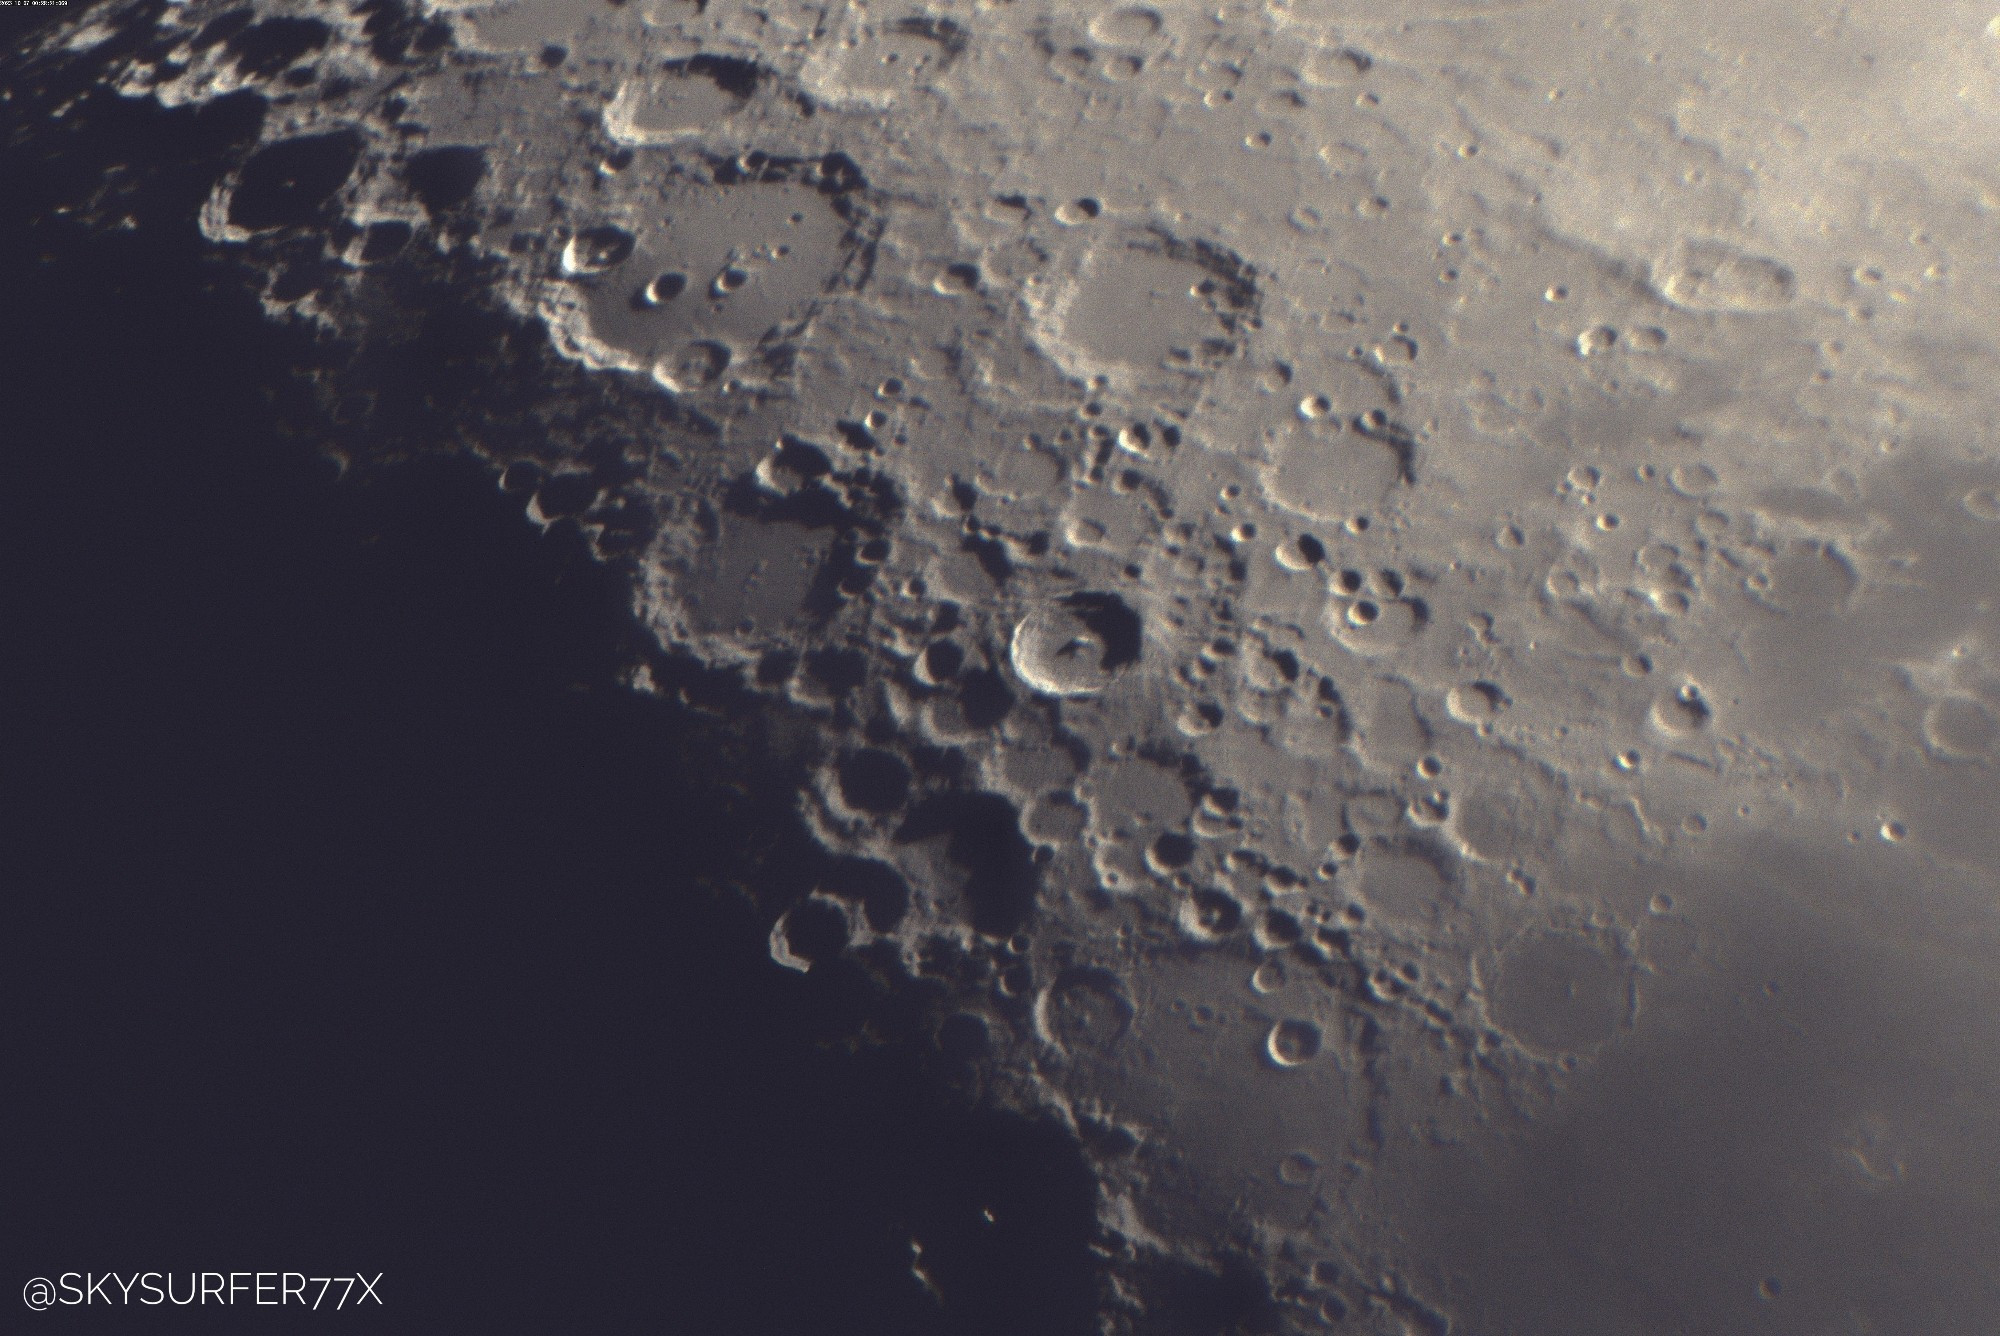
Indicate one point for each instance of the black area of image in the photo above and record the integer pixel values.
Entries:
(356, 920)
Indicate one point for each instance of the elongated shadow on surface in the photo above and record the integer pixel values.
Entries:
(363, 920)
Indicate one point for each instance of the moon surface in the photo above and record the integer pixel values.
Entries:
(1394, 604)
